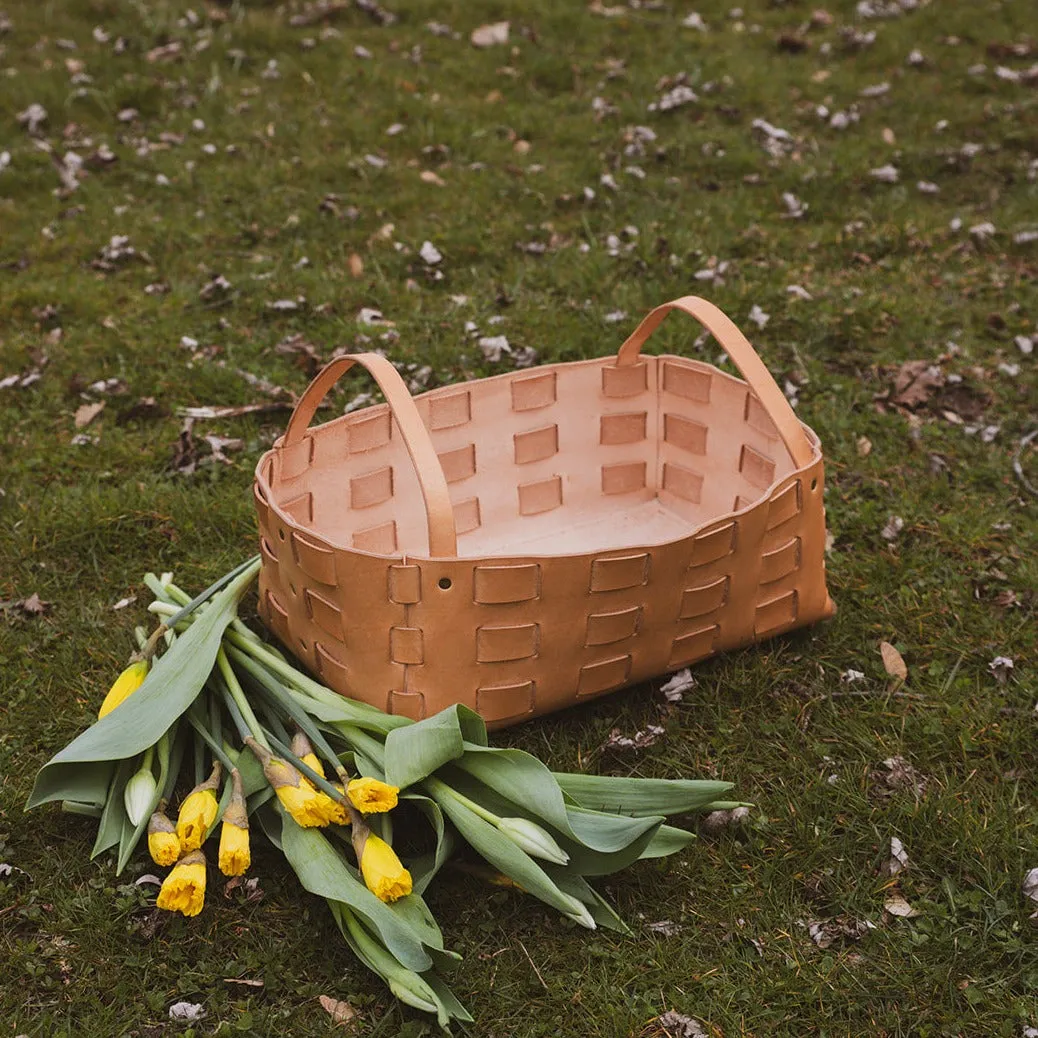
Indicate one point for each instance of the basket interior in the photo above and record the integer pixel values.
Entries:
(560, 460)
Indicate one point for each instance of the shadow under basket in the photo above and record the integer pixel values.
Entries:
(524, 542)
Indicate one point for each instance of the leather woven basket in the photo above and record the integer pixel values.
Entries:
(524, 542)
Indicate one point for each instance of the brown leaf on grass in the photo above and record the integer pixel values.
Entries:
(893, 663)
(185, 453)
(340, 1012)
(616, 740)
(245, 982)
(963, 401)
(673, 1024)
(314, 13)
(896, 905)
(31, 606)
(898, 859)
(147, 408)
(895, 774)
(87, 413)
(916, 381)
(843, 929)
(792, 43)
(304, 352)
(356, 265)
(229, 411)
(490, 35)
(219, 444)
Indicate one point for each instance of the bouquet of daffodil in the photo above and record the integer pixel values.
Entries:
(206, 703)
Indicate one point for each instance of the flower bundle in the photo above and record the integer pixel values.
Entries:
(331, 782)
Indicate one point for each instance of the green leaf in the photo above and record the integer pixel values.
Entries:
(638, 796)
(667, 840)
(448, 1002)
(530, 790)
(597, 843)
(322, 871)
(86, 783)
(501, 852)
(110, 829)
(417, 750)
(423, 869)
(415, 913)
(520, 778)
(601, 911)
(170, 688)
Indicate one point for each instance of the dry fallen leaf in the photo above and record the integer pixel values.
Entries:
(898, 857)
(87, 413)
(896, 905)
(340, 1012)
(916, 382)
(34, 606)
(864, 446)
(489, 35)
(893, 663)
(356, 265)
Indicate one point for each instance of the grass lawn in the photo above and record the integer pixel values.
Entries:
(225, 192)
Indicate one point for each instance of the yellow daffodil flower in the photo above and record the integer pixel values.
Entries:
(163, 842)
(309, 807)
(183, 890)
(371, 796)
(234, 834)
(383, 874)
(340, 816)
(125, 685)
(198, 812)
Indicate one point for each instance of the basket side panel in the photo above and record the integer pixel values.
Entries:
(336, 611)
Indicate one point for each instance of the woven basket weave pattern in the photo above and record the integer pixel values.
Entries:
(613, 523)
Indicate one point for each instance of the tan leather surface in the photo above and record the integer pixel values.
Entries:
(591, 525)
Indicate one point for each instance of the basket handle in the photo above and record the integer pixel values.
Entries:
(443, 539)
(750, 366)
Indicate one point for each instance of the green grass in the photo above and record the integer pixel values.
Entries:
(82, 953)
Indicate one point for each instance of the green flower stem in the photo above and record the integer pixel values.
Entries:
(232, 708)
(274, 691)
(252, 565)
(217, 748)
(147, 759)
(438, 786)
(238, 695)
(272, 719)
(199, 759)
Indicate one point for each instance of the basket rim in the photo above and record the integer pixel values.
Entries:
(263, 488)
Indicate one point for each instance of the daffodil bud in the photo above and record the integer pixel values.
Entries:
(125, 685)
(198, 811)
(235, 856)
(163, 842)
(533, 839)
(383, 873)
(139, 796)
